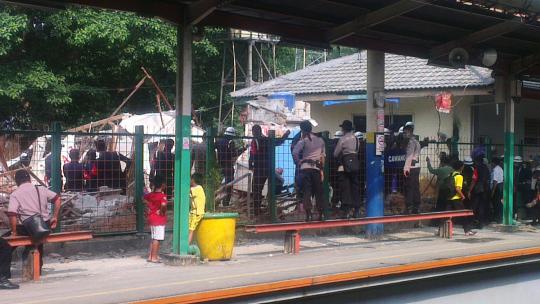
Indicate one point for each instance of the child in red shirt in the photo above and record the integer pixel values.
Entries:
(156, 203)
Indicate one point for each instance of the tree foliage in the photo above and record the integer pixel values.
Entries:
(77, 65)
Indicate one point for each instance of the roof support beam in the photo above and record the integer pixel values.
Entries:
(199, 10)
(373, 18)
(480, 36)
(520, 66)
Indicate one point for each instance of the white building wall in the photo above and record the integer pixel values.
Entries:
(423, 111)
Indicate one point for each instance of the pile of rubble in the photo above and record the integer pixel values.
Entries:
(96, 211)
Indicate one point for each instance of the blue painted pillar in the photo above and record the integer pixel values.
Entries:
(374, 124)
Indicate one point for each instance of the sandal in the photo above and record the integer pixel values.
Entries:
(470, 233)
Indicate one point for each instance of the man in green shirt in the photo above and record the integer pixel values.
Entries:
(442, 173)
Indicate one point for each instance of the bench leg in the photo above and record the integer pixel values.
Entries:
(292, 242)
(447, 230)
(31, 266)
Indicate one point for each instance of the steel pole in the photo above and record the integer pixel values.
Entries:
(374, 123)
(182, 160)
(56, 163)
(139, 176)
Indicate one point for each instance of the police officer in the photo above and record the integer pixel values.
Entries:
(335, 173)
(227, 153)
(411, 170)
(309, 152)
(348, 147)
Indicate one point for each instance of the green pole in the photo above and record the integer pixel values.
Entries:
(488, 148)
(56, 163)
(182, 177)
(508, 209)
(139, 176)
(326, 171)
(504, 83)
(272, 178)
(182, 159)
(210, 167)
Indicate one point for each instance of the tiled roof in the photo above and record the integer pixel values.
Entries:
(348, 74)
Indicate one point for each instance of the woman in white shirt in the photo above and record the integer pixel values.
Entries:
(497, 182)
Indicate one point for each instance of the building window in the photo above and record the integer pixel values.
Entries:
(532, 131)
(393, 122)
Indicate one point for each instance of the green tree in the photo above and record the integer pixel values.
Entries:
(76, 65)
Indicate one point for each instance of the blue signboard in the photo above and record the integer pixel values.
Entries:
(395, 158)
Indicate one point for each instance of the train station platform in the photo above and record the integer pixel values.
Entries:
(260, 267)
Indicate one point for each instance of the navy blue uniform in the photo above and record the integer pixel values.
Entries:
(74, 173)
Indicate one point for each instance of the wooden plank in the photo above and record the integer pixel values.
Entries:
(53, 238)
(98, 123)
(356, 222)
(158, 88)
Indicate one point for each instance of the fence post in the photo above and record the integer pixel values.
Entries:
(326, 171)
(209, 166)
(488, 148)
(139, 177)
(56, 163)
(271, 195)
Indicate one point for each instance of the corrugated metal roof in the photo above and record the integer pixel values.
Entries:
(348, 74)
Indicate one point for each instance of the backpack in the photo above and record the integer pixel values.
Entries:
(448, 187)
(351, 161)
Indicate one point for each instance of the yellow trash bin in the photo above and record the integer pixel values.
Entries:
(215, 236)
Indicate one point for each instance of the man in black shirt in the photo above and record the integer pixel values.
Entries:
(109, 170)
(74, 173)
(164, 166)
(259, 162)
(227, 154)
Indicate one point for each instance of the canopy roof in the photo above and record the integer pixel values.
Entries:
(427, 29)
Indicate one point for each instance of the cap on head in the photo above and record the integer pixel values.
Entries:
(400, 130)
(230, 131)
(338, 134)
(346, 125)
(468, 161)
(386, 131)
(537, 169)
(306, 126)
(518, 159)
(359, 135)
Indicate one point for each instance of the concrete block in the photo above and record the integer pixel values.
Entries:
(506, 228)
(172, 259)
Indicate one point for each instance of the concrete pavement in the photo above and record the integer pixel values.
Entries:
(119, 279)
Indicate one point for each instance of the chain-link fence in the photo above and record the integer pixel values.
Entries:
(103, 177)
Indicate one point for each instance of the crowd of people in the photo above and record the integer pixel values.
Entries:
(100, 167)
(470, 183)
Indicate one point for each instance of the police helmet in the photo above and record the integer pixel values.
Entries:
(359, 135)
(230, 131)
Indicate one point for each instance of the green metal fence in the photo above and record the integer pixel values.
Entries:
(103, 190)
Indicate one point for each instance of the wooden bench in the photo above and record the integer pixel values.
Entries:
(292, 230)
(31, 267)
